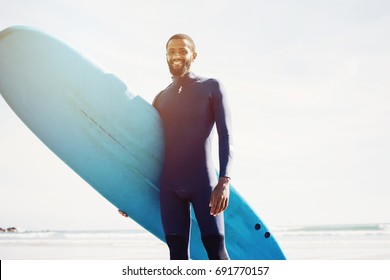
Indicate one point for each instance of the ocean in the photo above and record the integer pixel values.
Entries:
(327, 242)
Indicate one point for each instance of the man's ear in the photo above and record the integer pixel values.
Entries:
(194, 55)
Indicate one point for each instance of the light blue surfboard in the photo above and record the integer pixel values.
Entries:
(106, 134)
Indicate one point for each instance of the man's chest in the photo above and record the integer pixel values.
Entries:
(182, 102)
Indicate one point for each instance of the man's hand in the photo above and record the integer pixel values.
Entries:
(220, 196)
(124, 214)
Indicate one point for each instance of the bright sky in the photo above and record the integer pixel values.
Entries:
(309, 88)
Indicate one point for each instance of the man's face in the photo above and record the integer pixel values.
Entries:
(179, 56)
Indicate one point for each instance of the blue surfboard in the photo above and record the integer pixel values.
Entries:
(109, 136)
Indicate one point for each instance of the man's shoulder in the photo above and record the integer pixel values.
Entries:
(157, 97)
(164, 90)
(207, 81)
(168, 86)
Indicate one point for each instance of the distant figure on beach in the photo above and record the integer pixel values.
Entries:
(189, 108)
(10, 229)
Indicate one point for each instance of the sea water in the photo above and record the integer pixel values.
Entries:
(326, 242)
(336, 242)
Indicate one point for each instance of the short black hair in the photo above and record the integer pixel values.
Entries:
(183, 37)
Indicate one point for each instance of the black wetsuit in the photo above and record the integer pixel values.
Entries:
(189, 108)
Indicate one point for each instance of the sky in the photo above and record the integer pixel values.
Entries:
(309, 88)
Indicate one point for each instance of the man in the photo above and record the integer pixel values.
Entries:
(189, 107)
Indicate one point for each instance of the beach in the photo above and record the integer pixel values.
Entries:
(341, 242)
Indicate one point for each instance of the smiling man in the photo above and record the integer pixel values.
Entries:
(190, 107)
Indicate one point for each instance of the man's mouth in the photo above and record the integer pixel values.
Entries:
(177, 63)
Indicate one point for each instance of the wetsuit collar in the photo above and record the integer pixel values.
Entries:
(187, 78)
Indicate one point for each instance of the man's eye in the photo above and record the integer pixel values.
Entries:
(181, 52)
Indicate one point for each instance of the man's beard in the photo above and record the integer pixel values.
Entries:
(179, 71)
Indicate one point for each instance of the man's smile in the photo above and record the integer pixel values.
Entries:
(177, 63)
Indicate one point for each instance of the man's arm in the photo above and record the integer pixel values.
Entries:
(220, 196)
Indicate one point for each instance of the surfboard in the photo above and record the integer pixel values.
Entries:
(109, 136)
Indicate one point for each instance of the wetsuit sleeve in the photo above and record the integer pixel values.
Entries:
(222, 115)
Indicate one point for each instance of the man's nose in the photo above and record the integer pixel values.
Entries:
(176, 55)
